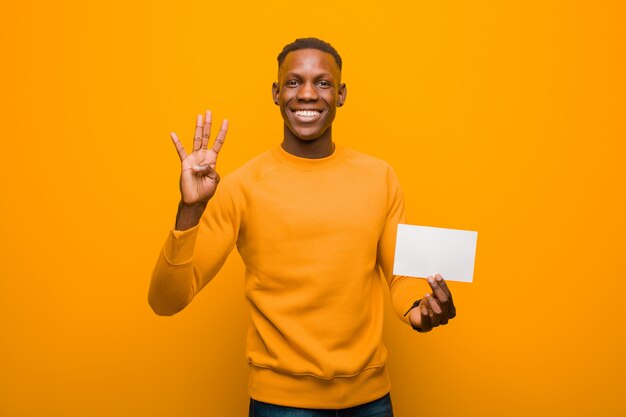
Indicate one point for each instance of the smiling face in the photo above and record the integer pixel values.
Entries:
(308, 92)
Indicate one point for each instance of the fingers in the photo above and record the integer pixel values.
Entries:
(440, 302)
(438, 290)
(207, 171)
(426, 324)
(442, 283)
(421, 317)
(435, 308)
(441, 297)
(213, 175)
(206, 130)
(221, 136)
(445, 296)
(179, 146)
(201, 137)
(197, 139)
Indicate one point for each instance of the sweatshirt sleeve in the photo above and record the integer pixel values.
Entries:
(190, 259)
(404, 290)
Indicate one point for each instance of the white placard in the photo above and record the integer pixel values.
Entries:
(423, 251)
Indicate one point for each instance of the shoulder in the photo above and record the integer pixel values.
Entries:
(369, 163)
(252, 171)
(375, 170)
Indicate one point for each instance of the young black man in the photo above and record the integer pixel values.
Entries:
(315, 224)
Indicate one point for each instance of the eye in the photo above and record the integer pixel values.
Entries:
(324, 84)
(291, 83)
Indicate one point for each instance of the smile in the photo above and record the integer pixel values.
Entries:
(307, 114)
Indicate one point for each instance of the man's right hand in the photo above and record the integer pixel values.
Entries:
(198, 177)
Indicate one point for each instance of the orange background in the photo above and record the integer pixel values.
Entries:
(501, 117)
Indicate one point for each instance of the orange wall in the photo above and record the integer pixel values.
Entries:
(501, 117)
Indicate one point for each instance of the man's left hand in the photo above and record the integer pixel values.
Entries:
(435, 309)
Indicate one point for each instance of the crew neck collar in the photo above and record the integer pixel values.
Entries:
(308, 163)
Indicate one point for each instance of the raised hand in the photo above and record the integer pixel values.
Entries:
(435, 309)
(198, 177)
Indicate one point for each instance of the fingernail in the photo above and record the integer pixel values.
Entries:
(430, 279)
(439, 278)
(199, 120)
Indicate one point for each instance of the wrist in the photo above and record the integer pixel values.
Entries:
(189, 215)
(199, 206)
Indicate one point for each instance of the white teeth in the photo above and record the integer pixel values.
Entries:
(307, 113)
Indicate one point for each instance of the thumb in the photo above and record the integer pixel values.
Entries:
(200, 168)
(420, 319)
(207, 170)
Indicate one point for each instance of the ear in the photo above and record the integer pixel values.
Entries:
(341, 96)
(275, 92)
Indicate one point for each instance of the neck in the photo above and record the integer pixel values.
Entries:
(308, 148)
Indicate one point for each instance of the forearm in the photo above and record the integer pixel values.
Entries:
(190, 258)
(189, 216)
(174, 283)
(171, 287)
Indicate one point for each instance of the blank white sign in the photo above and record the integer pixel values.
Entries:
(423, 251)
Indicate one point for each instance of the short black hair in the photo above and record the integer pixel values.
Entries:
(309, 43)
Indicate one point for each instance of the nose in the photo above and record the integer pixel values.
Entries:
(307, 92)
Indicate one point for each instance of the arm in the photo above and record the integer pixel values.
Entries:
(205, 231)
(404, 290)
(433, 309)
(191, 258)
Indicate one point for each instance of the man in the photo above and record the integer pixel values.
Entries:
(315, 223)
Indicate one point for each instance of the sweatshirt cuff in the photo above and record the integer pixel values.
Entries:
(405, 292)
(180, 246)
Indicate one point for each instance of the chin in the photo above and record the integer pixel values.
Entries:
(308, 135)
(306, 131)
(308, 138)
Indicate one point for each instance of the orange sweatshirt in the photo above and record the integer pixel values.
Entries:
(314, 235)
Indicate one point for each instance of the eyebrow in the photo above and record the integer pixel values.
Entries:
(295, 74)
